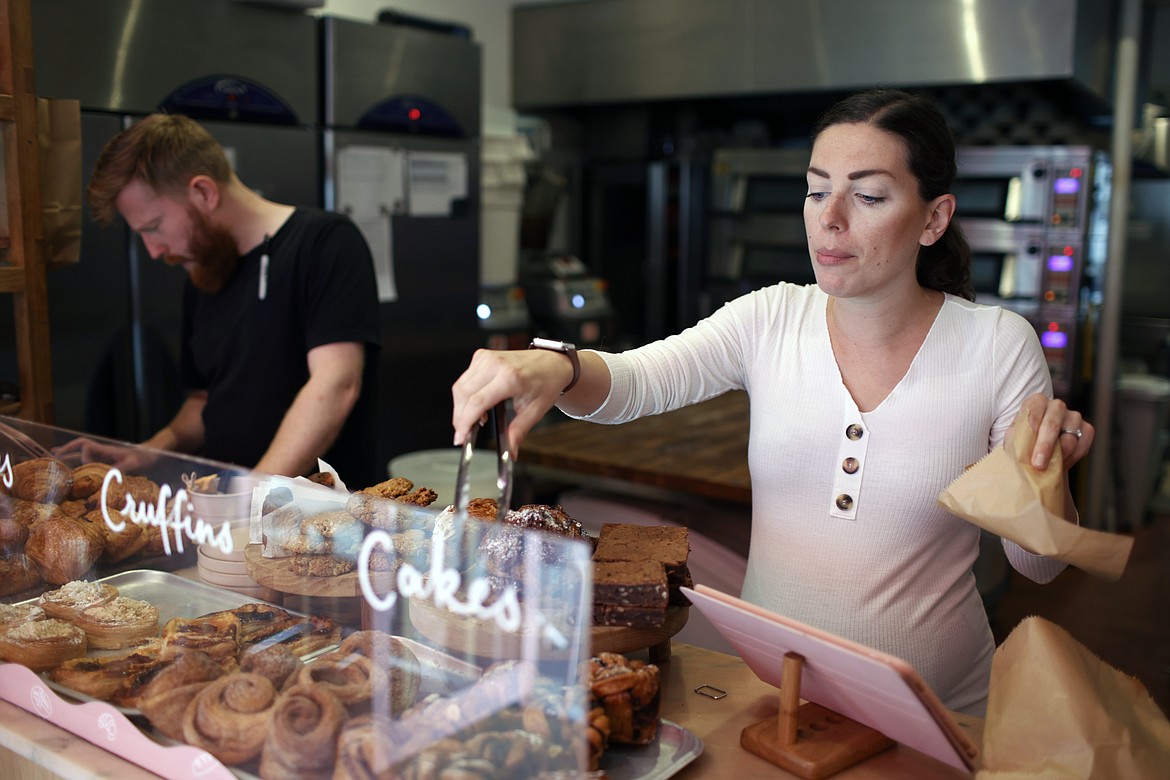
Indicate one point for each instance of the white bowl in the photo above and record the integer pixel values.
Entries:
(239, 542)
(220, 566)
(217, 508)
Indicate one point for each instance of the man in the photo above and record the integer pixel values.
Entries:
(280, 312)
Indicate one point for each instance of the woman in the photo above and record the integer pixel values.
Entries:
(870, 392)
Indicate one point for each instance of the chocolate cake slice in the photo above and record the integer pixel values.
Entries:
(630, 584)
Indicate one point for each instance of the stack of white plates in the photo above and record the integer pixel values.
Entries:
(228, 570)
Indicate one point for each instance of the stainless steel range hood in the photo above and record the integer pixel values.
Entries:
(617, 51)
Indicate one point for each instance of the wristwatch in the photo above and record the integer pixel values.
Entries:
(565, 348)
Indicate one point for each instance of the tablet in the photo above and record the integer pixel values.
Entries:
(871, 687)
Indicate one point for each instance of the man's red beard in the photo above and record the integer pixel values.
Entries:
(213, 253)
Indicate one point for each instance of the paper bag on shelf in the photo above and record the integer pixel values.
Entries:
(1056, 710)
(1005, 495)
(59, 138)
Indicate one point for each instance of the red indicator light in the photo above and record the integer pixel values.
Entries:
(1076, 172)
(1054, 326)
(414, 114)
(1068, 251)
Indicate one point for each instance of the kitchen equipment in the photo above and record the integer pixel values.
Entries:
(565, 300)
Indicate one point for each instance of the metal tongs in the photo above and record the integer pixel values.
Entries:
(503, 466)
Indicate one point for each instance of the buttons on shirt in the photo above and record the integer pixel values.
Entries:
(854, 432)
(847, 482)
(844, 502)
(850, 465)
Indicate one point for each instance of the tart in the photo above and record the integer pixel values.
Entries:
(42, 644)
(68, 600)
(118, 623)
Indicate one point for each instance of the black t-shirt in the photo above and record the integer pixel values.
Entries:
(250, 355)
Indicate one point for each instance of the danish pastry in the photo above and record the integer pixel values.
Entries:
(217, 635)
(12, 615)
(391, 654)
(355, 679)
(276, 662)
(167, 673)
(102, 677)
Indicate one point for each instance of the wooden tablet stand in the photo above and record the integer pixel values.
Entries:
(809, 740)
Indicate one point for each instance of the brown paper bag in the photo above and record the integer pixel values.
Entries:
(1005, 495)
(1056, 710)
(59, 137)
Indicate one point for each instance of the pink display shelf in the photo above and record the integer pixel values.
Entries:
(106, 727)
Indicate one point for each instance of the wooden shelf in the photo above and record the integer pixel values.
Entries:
(23, 276)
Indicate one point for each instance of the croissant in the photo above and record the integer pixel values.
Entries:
(17, 574)
(231, 716)
(43, 480)
(302, 742)
(88, 479)
(119, 545)
(63, 549)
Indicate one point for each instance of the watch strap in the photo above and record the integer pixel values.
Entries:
(566, 349)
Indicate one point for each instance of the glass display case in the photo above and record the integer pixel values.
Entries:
(205, 621)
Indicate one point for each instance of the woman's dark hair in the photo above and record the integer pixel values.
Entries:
(930, 155)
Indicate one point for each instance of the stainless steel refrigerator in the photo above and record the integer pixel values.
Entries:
(405, 101)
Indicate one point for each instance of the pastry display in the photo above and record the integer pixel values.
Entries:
(118, 545)
(42, 644)
(68, 600)
(392, 505)
(118, 623)
(302, 737)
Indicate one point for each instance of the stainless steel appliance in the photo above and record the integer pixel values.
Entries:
(249, 74)
(566, 300)
(1031, 214)
(409, 99)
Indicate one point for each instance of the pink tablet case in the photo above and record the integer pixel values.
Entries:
(861, 683)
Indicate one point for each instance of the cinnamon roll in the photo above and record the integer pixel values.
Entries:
(391, 654)
(366, 749)
(354, 679)
(166, 710)
(231, 716)
(302, 742)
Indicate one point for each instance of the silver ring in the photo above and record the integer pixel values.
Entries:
(1072, 432)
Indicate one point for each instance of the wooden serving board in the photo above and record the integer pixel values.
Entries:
(278, 574)
(471, 636)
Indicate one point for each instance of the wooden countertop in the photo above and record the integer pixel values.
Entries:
(36, 748)
(700, 450)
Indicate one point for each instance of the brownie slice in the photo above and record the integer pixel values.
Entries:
(630, 583)
(630, 617)
(627, 542)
